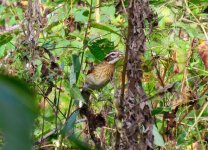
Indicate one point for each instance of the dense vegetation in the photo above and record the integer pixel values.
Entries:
(47, 48)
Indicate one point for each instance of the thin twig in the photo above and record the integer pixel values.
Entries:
(202, 27)
(186, 67)
(197, 119)
(58, 100)
(43, 125)
(122, 2)
(121, 96)
(10, 29)
(49, 101)
(54, 131)
(86, 33)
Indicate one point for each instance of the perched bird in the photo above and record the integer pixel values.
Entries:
(101, 74)
(97, 78)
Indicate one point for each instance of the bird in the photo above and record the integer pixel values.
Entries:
(97, 78)
(101, 74)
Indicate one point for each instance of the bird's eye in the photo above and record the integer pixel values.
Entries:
(113, 54)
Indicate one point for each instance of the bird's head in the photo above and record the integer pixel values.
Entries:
(113, 57)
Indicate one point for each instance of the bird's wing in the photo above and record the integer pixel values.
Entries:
(92, 67)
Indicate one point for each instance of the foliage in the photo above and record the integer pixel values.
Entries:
(76, 33)
(17, 113)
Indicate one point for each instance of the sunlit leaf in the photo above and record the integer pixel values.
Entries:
(192, 31)
(79, 15)
(103, 27)
(50, 26)
(107, 13)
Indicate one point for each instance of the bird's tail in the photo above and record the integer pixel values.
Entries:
(94, 120)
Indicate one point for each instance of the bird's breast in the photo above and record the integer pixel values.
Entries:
(100, 76)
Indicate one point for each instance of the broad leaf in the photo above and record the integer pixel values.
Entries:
(5, 38)
(17, 113)
(192, 31)
(76, 64)
(100, 48)
(75, 93)
(158, 140)
(68, 129)
(160, 110)
(75, 69)
(103, 27)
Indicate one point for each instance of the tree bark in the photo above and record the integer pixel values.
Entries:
(137, 122)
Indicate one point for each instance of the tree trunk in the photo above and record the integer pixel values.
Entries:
(136, 132)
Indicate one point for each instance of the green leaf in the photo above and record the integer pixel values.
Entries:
(100, 48)
(76, 64)
(76, 34)
(76, 94)
(158, 2)
(160, 110)
(157, 111)
(49, 45)
(5, 38)
(192, 31)
(75, 69)
(2, 8)
(70, 123)
(104, 27)
(86, 13)
(72, 76)
(59, 1)
(79, 144)
(199, 2)
(2, 22)
(79, 15)
(52, 25)
(17, 113)
(181, 138)
(158, 140)
(107, 14)
(68, 130)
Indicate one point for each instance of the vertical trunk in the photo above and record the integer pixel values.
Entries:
(137, 120)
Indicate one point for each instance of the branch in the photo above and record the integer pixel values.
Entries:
(10, 29)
